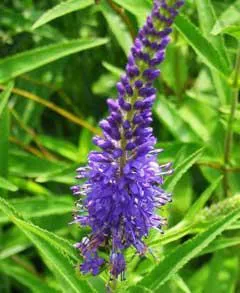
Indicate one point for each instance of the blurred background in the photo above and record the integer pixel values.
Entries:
(57, 69)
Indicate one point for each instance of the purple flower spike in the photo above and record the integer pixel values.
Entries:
(122, 187)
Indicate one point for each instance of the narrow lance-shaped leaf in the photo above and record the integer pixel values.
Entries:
(140, 10)
(228, 19)
(221, 243)
(223, 263)
(169, 115)
(207, 18)
(21, 63)
(56, 251)
(32, 207)
(61, 9)
(200, 202)
(4, 96)
(182, 169)
(6, 184)
(117, 26)
(4, 135)
(31, 281)
(173, 262)
(201, 45)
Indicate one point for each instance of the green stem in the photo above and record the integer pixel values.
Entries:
(229, 133)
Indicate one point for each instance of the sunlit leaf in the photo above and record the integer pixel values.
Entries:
(60, 10)
(230, 18)
(201, 45)
(184, 253)
(56, 251)
(21, 63)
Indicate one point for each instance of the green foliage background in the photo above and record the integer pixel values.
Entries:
(59, 62)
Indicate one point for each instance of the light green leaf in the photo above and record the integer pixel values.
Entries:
(201, 45)
(60, 146)
(181, 169)
(29, 60)
(201, 201)
(32, 207)
(23, 164)
(14, 242)
(18, 22)
(4, 96)
(118, 72)
(6, 184)
(182, 286)
(31, 281)
(221, 243)
(230, 17)
(62, 9)
(59, 243)
(56, 251)
(216, 210)
(223, 275)
(140, 10)
(31, 187)
(233, 30)
(63, 176)
(207, 18)
(4, 132)
(117, 27)
(173, 262)
(169, 115)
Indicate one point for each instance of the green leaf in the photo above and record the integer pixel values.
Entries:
(24, 62)
(22, 164)
(32, 207)
(169, 115)
(56, 241)
(31, 281)
(201, 201)
(221, 243)
(233, 30)
(229, 18)
(117, 27)
(4, 96)
(140, 10)
(60, 146)
(4, 131)
(6, 184)
(181, 169)
(207, 18)
(31, 186)
(62, 9)
(63, 176)
(223, 275)
(216, 210)
(173, 262)
(55, 250)
(118, 72)
(181, 284)
(14, 242)
(201, 45)
(18, 22)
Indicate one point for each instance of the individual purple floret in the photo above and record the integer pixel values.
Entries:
(122, 186)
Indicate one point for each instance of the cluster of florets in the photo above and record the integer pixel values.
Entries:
(122, 186)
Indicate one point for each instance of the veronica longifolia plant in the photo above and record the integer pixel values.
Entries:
(122, 186)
